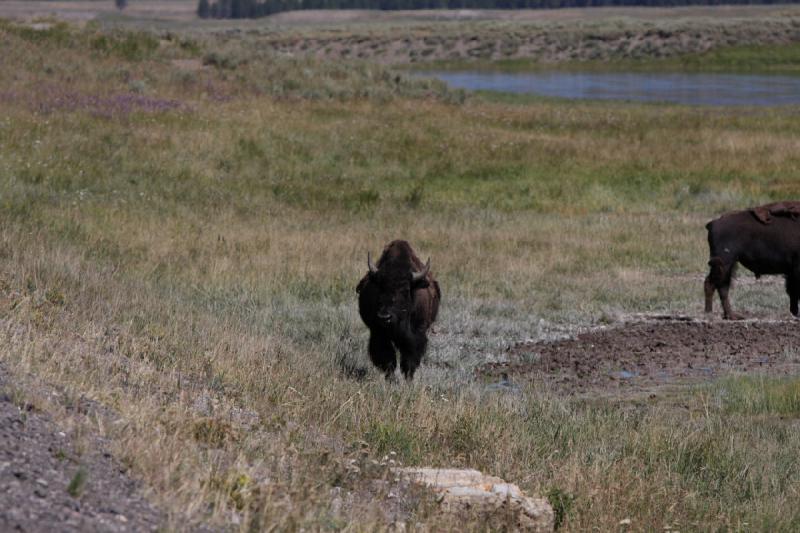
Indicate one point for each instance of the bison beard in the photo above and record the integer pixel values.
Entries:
(398, 300)
(765, 240)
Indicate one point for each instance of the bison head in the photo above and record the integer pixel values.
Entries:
(396, 282)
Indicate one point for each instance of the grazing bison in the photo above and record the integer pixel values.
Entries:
(398, 301)
(765, 239)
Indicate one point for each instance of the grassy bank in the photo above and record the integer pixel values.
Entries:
(762, 59)
(183, 224)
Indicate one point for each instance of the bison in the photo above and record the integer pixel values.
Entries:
(398, 300)
(765, 239)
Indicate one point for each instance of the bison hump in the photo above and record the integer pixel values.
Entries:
(765, 213)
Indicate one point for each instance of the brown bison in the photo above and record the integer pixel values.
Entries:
(765, 239)
(398, 300)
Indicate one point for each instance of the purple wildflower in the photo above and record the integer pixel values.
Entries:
(49, 99)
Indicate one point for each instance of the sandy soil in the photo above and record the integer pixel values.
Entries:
(646, 355)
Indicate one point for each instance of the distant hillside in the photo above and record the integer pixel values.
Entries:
(705, 41)
(261, 8)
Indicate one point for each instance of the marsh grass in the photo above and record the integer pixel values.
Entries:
(193, 269)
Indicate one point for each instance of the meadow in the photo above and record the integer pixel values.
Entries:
(183, 221)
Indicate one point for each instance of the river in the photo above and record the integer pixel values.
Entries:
(682, 88)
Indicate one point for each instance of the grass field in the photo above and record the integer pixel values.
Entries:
(183, 222)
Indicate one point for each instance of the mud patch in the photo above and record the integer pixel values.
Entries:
(645, 355)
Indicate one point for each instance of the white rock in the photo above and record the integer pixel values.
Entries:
(461, 490)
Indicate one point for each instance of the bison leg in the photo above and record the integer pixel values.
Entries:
(411, 355)
(709, 288)
(719, 278)
(793, 288)
(381, 352)
(728, 313)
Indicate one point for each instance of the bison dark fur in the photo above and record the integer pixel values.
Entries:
(398, 300)
(763, 247)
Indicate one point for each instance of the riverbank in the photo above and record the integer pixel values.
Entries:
(768, 42)
(761, 59)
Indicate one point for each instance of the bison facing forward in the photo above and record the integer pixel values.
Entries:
(398, 301)
(765, 239)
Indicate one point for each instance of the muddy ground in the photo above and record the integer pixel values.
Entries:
(646, 355)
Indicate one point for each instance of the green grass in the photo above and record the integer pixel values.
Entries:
(77, 483)
(193, 269)
(775, 59)
(741, 59)
(761, 396)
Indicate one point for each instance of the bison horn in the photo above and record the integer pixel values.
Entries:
(372, 268)
(416, 276)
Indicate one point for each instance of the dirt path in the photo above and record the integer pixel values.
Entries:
(642, 356)
(47, 485)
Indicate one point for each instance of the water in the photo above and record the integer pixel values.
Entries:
(682, 88)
